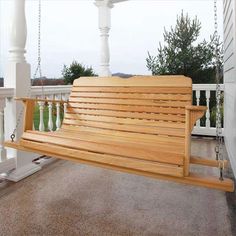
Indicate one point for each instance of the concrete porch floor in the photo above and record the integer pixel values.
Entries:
(71, 199)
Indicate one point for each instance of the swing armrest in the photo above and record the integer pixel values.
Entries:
(25, 99)
(193, 113)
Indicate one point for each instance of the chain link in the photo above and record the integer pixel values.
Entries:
(38, 70)
(219, 134)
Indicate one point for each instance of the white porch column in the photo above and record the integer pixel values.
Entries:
(18, 77)
(104, 23)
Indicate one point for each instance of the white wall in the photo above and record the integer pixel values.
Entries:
(230, 79)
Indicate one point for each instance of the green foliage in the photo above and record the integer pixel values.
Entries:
(213, 116)
(74, 71)
(182, 55)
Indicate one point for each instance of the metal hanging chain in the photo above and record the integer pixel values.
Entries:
(37, 70)
(219, 136)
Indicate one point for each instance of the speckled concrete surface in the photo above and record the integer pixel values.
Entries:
(72, 199)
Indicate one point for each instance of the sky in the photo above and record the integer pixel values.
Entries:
(70, 31)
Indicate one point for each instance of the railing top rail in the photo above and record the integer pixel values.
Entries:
(6, 92)
(36, 90)
(207, 87)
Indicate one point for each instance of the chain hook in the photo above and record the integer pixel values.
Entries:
(13, 137)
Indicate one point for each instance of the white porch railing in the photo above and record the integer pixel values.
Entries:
(204, 95)
(50, 92)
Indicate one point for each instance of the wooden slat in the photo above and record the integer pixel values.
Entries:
(130, 102)
(139, 96)
(206, 162)
(113, 140)
(104, 159)
(126, 127)
(164, 142)
(122, 148)
(193, 179)
(184, 90)
(144, 137)
(130, 121)
(137, 81)
(140, 115)
(133, 108)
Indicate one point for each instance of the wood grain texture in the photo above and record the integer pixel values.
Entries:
(137, 81)
(178, 132)
(123, 134)
(131, 108)
(133, 89)
(139, 115)
(155, 153)
(193, 178)
(126, 120)
(138, 96)
(140, 125)
(120, 101)
(29, 114)
(206, 162)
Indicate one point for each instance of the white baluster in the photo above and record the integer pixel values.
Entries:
(198, 124)
(50, 121)
(104, 11)
(18, 32)
(3, 155)
(208, 122)
(41, 120)
(58, 119)
(65, 108)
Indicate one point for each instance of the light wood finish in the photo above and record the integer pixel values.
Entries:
(206, 162)
(126, 120)
(29, 114)
(136, 81)
(111, 160)
(115, 107)
(193, 113)
(130, 128)
(139, 125)
(173, 155)
(151, 102)
(138, 96)
(68, 154)
(143, 137)
(143, 89)
(138, 115)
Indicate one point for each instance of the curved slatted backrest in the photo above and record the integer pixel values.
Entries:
(141, 104)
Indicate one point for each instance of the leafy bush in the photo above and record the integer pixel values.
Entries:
(74, 71)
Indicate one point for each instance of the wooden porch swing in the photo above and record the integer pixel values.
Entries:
(140, 125)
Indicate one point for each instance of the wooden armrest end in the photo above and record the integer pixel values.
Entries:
(196, 108)
(193, 113)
